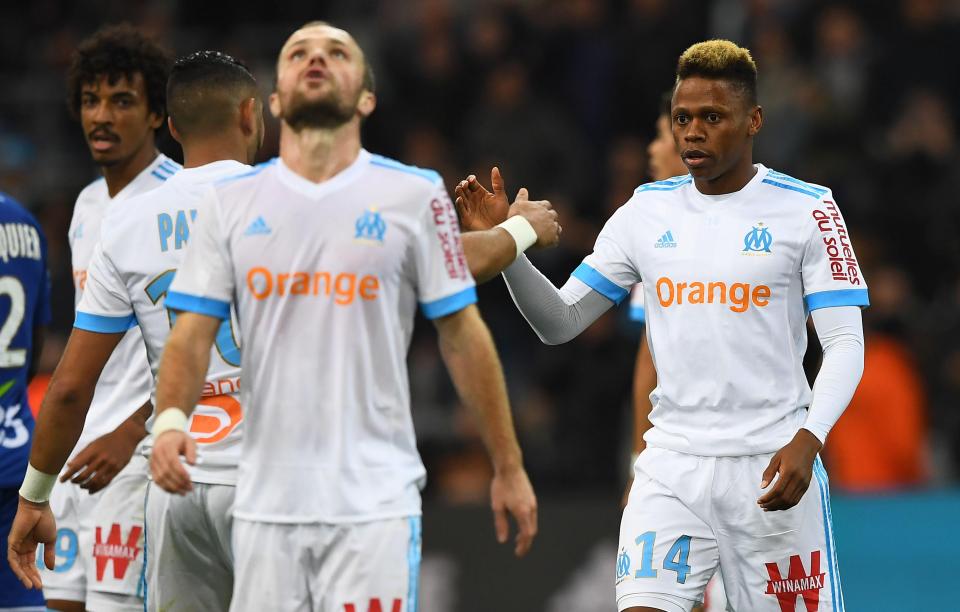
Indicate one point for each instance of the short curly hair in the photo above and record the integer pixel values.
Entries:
(119, 51)
(720, 59)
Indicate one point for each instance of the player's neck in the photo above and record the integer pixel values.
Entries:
(121, 174)
(203, 152)
(319, 154)
(733, 180)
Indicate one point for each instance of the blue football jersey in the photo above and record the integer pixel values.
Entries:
(24, 305)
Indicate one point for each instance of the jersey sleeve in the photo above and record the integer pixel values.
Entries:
(204, 283)
(609, 270)
(637, 311)
(829, 269)
(444, 282)
(105, 305)
(42, 314)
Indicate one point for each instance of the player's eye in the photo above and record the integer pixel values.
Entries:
(88, 101)
(298, 54)
(713, 117)
(339, 53)
(682, 119)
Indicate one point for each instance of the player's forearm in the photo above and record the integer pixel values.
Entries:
(556, 315)
(644, 381)
(471, 358)
(841, 334)
(60, 421)
(183, 370)
(488, 252)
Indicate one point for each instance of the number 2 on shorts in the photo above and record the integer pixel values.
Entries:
(675, 559)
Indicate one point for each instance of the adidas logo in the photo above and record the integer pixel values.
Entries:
(666, 241)
(259, 227)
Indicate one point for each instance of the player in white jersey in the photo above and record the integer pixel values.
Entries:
(733, 257)
(116, 84)
(326, 253)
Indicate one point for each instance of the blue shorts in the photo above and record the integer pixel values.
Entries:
(12, 592)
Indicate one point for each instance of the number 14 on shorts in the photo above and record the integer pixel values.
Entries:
(675, 560)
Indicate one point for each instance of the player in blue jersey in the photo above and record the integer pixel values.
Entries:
(24, 311)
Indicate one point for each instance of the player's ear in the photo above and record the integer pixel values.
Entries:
(248, 115)
(173, 130)
(756, 120)
(367, 103)
(275, 109)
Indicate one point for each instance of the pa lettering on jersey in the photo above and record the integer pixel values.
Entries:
(836, 241)
(174, 229)
(19, 240)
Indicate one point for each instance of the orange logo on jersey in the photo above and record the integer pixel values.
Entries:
(80, 279)
(220, 396)
(739, 296)
(345, 287)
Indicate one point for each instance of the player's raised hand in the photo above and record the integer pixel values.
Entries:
(542, 217)
(511, 492)
(793, 467)
(478, 208)
(34, 524)
(165, 465)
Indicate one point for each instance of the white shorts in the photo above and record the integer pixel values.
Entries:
(688, 515)
(189, 556)
(352, 567)
(100, 543)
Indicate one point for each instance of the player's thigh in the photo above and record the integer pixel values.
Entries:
(271, 563)
(778, 560)
(13, 595)
(72, 508)
(666, 555)
(370, 566)
(118, 528)
(187, 566)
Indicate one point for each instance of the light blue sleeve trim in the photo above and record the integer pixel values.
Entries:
(638, 314)
(449, 304)
(197, 304)
(103, 324)
(385, 162)
(838, 297)
(600, 283)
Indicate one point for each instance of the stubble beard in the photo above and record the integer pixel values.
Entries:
(328, 112)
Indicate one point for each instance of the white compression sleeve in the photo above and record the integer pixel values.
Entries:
(556, 315)
(840, 330)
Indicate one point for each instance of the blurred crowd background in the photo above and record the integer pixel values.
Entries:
(862, 97)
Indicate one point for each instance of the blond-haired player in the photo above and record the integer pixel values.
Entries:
(325, 254)
(733, 258)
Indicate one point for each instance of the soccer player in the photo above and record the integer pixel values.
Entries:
(116, 86)
(325, 253)
(733, 259)
(217, 117)
(24, 310)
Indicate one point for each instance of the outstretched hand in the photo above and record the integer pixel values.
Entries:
(793, 467)
(480, 209)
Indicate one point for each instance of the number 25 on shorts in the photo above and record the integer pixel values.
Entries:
(674, 561)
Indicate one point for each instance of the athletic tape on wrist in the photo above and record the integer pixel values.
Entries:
(37, 485)
(522, 232)
(170, 418)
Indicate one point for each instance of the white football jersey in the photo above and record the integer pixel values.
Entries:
(326, 278)
(125, 382)
(142, 244)
(728, 284)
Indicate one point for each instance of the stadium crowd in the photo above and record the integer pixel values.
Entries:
(563, 95)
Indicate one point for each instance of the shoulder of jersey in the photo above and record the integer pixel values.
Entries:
(415, 175)
(96, 190)
(785, 186)
(666, 186)
(244, 177)
(13, 210)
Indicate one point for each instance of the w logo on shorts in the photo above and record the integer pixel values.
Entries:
(797, 583)
(122, 553)
(374, 606)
